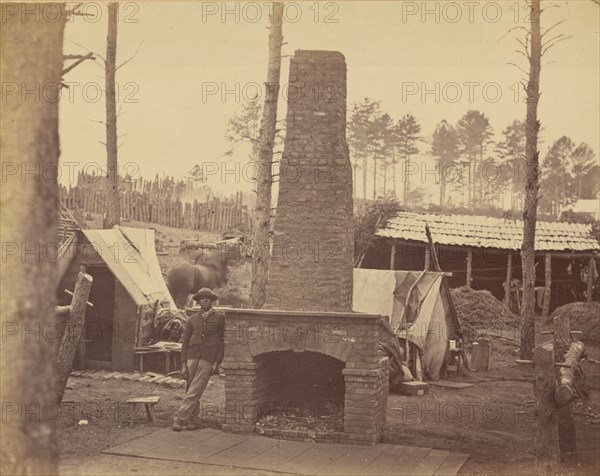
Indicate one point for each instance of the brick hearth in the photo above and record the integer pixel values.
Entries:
(340, 365)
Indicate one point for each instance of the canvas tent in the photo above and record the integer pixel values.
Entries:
(127, 290)
(419, 310)
(131, 256)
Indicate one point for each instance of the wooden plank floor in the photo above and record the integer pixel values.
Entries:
(209, 446)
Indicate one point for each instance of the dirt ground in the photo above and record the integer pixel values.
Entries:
(493, 420)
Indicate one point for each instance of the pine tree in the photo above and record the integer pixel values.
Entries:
(113, 213)
(31, 55)
(362, 137)
(445, 149)
(583, 159)
(474, 132)
(511, 150)
(261, 244)
(557, 180)
(407, 132)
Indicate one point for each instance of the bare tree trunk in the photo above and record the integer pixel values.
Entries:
(374, 177)
(74, 325)
(547, 285)
(354, 175)
(384, 177)
(546, 439)
(394, 174)
(364, 184)
(406, 179)
(441, 190)
(567, 435)
(112, 164)
(531, 187)
(31, 61)
(261, 246)
(469, 186)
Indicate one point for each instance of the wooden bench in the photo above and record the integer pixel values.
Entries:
(148, 402)
(169, 354)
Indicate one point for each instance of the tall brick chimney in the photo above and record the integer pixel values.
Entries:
(313, 241)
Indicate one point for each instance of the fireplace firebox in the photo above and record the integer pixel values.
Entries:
(305, 363)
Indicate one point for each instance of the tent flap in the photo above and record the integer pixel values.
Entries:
(417, 306)
(131, 256)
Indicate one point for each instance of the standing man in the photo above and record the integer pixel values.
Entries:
(202, 351)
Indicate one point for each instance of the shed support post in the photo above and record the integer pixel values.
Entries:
(393, 257)
(469, 267)
(427, 258)
(547, 285)
(508, 279)
(590, 279)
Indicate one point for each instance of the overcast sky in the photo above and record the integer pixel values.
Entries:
(197, 63)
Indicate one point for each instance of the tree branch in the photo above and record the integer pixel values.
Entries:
(522, 53)
(519, 68)
(546, 48)
(77, 63)
(512, 29)
(551, 28)
(82, 46)
(133, 56)
(70, 57)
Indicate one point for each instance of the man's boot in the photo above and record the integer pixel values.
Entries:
(177, 425)
(193, 425)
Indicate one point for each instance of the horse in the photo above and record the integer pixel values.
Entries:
(185, 279)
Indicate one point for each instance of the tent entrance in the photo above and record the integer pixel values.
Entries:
(99, 320)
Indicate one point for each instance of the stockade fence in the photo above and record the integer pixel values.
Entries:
(214, 215)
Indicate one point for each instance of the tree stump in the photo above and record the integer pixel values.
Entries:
(546, 436)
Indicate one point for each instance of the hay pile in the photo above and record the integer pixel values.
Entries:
(479, 310)
(584, 317)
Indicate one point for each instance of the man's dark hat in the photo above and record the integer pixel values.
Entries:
(205, 292)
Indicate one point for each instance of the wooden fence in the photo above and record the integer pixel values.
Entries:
(215, 215)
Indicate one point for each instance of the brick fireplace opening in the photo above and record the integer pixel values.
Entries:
(302, 381)
(307, 351)
(318, 364)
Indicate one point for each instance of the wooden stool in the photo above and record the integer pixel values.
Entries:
(148, 402)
